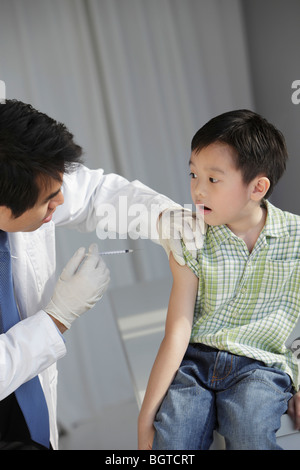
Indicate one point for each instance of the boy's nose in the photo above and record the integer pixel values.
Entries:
(200, 190)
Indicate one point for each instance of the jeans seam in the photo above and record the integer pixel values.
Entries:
(215, 378)
(211, 419)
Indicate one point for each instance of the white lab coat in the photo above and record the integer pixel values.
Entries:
(34, 345)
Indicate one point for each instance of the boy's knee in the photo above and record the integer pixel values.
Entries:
(251, 435)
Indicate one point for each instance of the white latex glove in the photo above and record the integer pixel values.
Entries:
(180, 223)
(77, 290)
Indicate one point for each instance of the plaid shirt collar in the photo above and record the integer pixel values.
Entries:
(275, 226)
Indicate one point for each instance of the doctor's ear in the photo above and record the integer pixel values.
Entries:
(261, 185)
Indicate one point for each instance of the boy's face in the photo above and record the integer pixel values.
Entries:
(50, 197)
(218, 185)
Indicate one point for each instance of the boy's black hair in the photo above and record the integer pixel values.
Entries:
(259, 147)
(33, 148)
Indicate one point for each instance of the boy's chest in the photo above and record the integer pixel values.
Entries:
(230, 273)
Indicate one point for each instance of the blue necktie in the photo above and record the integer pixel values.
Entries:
(30, 395)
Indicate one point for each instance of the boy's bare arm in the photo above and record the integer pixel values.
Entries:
(172, 349)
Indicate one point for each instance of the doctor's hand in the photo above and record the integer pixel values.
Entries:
(177, 223)
(81, 284)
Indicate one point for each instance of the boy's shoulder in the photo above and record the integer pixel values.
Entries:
(284, 217)
(283, 222)
(190, 260)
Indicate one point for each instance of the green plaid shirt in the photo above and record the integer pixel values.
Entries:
(248, 304)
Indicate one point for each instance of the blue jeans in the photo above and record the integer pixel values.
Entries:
(239, 397)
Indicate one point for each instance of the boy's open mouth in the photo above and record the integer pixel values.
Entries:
(204, 209)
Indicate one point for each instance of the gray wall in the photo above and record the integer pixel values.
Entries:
(273, 36)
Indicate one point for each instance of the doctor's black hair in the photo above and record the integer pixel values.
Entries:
(34, 148)
(259, 148)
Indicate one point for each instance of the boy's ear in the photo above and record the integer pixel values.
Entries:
(261, 185)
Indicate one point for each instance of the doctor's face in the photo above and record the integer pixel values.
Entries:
(41, 213)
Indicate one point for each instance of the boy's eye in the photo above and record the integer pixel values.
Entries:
(213, 180)
(192, 175)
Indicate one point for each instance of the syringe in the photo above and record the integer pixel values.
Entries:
(116, 252)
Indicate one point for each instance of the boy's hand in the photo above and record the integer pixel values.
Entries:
(294, 410)
(145, 437)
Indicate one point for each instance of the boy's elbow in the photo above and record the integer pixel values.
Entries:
(177, 338)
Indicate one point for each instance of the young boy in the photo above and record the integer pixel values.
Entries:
(223, 363)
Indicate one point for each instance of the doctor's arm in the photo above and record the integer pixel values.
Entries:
(34, 344)
(109, 202)
(27, 349)
(173, 347)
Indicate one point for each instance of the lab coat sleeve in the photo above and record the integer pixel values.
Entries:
(94, 200)
(35, 343)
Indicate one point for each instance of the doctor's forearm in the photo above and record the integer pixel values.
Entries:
(28, 348)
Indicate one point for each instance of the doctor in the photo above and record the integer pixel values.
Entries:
(43, 185)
